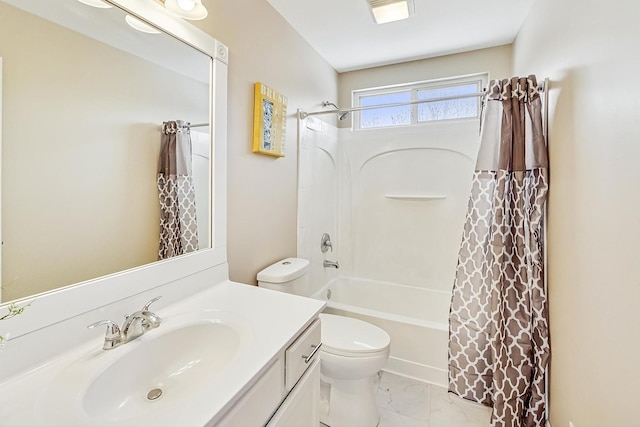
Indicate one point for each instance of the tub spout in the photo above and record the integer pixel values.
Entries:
(330, 264)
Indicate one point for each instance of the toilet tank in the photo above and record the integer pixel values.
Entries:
(288, 275)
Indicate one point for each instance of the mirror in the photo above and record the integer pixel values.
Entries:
(84, 96)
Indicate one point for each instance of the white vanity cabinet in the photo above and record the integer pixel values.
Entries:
(287, 394)
(271, 379)
(300, 408)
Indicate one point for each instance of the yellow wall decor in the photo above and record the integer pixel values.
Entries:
(269, 121)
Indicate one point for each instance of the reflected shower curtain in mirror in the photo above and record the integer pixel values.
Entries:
(178, 223)
(498, 322)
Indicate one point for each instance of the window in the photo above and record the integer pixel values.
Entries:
(419, 113)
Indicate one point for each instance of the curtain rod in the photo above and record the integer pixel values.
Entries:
(304, 114)
(197, 125)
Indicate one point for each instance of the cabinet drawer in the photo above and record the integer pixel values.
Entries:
(301, 354)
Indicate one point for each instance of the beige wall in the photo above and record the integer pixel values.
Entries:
(263, 190)
(590, 52)
(496, 61)
(80, 142)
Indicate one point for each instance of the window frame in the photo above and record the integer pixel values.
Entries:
(481, 79)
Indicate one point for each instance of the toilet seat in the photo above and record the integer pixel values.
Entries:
(349, 337)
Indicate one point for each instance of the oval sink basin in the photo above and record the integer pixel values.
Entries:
(152, 376)
(169, 366)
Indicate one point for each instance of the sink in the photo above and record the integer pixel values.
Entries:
(151, 377)
(166, 367)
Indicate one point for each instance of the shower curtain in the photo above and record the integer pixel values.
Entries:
(178, 222)
(498, 322)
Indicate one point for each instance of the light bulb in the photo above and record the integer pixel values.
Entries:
(96, 3)
(140, 25)
(187, 5)
(187, 9)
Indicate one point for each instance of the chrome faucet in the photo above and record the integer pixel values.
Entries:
(330, 264)
(135, 325)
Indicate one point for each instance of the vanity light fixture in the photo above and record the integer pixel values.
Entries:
(385, 11)
(141, 25)
(96, 3)
(187, 9)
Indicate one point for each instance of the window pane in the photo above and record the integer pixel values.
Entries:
(381, 117)
(450, 109)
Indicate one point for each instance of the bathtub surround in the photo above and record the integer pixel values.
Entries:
(318, 199)
(176, 191)
(367, 214)
(201, 145)
(395, 254)
(498, 345)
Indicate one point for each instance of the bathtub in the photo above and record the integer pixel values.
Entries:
(415, 318)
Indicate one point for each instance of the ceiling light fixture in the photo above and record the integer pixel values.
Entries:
(140, 25)
(187, 9)
(96, 3)
(385, 11)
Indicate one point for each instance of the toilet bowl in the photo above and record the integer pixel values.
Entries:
(352, 352)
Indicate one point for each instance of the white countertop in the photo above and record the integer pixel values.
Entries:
(274, 319)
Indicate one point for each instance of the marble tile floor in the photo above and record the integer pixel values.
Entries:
(405, 402)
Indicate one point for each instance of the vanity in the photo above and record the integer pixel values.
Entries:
(219, 353)
(229, 355)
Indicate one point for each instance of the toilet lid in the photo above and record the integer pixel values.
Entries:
(345, 335)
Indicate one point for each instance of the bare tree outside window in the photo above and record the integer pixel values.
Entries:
(449, 109)
(419, 113)
(383, 117)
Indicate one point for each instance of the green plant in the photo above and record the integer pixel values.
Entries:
(12, 311)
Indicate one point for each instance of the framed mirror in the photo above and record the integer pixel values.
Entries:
(85, 92)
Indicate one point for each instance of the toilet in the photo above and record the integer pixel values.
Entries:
(352, 352)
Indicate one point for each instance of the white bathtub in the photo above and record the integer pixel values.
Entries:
(415, 318)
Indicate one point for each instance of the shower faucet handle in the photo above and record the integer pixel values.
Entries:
(325, 243)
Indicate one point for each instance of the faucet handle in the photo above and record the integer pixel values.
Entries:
(153, 320)
(146, 306)
(113, 337)
(325, 243)
(113, 330)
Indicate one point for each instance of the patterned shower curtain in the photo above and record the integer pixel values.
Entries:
(178, 223)
(498, 323)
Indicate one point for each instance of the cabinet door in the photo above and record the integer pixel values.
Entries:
(301, 407)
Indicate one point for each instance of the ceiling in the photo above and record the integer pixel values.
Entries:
(345, 34)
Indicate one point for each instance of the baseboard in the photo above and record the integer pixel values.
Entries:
(417, 371)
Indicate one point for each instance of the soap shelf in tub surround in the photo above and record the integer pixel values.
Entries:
(415, 197)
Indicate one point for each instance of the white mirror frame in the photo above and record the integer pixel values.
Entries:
(64, 303)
